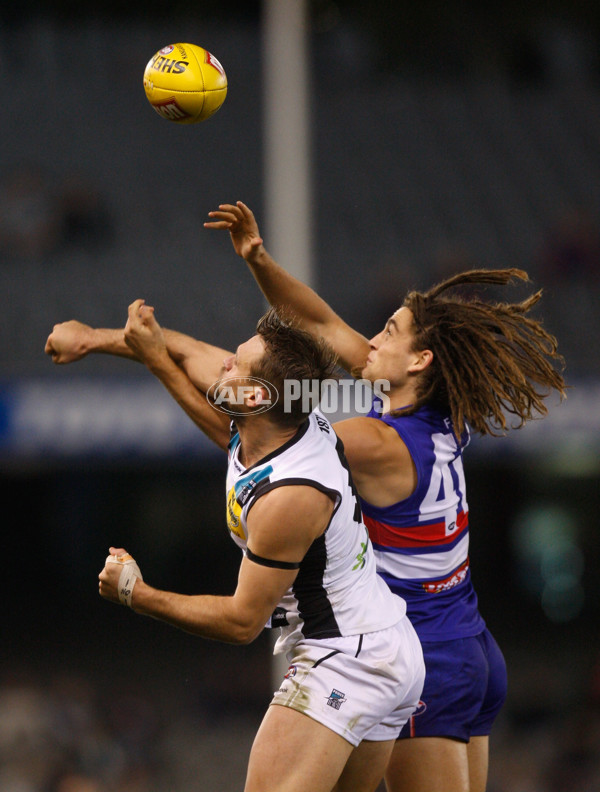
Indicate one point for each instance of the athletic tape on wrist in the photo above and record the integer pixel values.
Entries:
(129, 574)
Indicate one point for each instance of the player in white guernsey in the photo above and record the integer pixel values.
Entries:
(325, 601)
(356, 666)
(450, 363)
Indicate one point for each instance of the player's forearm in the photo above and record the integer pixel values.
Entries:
(205, 615)
(212, 422)
(283, 289)
(102, 340)
(312, 312)
(202, 362)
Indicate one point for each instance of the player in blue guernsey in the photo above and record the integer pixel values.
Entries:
(422, 542)
(454, 365)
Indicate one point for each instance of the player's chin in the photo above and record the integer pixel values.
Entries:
(363, 372)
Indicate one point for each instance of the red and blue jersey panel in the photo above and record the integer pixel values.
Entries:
(422, 542)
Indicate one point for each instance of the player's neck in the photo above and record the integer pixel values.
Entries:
(259, 437)
(402, 396)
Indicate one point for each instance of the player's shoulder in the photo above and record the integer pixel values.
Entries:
(292, 503)
(315, 436)
(370, 442)
(371, 434)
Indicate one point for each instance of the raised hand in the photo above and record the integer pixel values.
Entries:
(239, 220)
(143, 334)
(68, 341)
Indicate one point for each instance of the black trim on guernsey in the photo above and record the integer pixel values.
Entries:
(339, 447)
(268, 562)
(314, 606)
(267, 485)
(302, 429)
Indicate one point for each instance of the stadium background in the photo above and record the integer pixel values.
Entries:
(441, 137)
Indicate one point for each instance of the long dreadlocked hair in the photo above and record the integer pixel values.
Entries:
(489, 359)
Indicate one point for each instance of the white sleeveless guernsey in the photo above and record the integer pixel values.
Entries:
(337, 591)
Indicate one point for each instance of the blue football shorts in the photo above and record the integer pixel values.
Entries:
(465, 688)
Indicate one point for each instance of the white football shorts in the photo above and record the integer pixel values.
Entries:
(363, 687)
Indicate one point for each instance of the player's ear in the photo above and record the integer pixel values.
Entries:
(421, 360)
(258, 397)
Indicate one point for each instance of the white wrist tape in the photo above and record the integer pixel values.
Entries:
(129, 574)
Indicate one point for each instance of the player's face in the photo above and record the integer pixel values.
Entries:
(236, 371)
(392, 355)
(248, 353)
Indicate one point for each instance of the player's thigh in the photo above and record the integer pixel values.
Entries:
(478, 754)
(428, 764)
(294, 753)
(365, 768)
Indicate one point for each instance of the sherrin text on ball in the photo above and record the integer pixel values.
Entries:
(185, 83)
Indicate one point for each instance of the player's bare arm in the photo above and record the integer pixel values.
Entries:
(73, 340)
(237, 619)
(284, 290)
(201, 362)
(281, 527)
(146, 339)
(382, 467)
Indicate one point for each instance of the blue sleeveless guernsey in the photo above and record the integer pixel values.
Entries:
(421, 543)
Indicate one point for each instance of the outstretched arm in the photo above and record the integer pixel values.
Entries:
(71, 341)
(283, 290)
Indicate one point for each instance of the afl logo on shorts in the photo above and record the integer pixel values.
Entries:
(291, 672)
(421, 707)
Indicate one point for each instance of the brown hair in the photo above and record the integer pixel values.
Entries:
(291, 354)
(489, 359)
